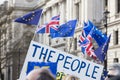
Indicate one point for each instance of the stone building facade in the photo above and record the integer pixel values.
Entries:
(82, 10)
(114, 30)
(15, 37)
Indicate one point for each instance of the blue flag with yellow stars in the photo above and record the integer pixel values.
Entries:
(65, 30)
(101, 51)
(32, 18)
(104, 74)
(97, 34)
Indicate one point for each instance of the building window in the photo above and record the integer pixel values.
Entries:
(56, 41)
(64, 49)
(49, 42)
(9, 73)
(50, 12)
(118, 6)
(44, 17)
(64, 39)
(115, 37)
(106, 3)
(57, 8)
(77, 10)
(116, 60)
(2, 76)
(75, 44)
(64, 10)
(49, 39)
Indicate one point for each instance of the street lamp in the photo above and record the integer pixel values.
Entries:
(106, 12)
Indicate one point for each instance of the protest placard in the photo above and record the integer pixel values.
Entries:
(67, 63)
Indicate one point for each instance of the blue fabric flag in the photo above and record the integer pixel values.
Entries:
(101, 51)
(56, 17)
(51, 66)
(87, 27)
(106, 45)
(104, 74)
(42, 29)
(65, 30)
(98, 36)
(32, 18)
(85, 24)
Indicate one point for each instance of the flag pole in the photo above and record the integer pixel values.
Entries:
(35, 33)
(37, 27)
(71, 40)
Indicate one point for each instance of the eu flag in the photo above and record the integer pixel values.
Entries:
(85, 24)
(101, 51)
(104, 74)
(65, 30)
(32, 18)
(98, 36)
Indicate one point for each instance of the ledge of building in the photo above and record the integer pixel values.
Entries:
(114, 46)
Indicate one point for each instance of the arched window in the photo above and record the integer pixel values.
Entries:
(75, 44)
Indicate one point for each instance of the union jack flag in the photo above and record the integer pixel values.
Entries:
(86, 45)
(41, 29)
(50, 27)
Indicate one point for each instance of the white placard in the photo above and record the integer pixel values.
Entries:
(67, 63)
